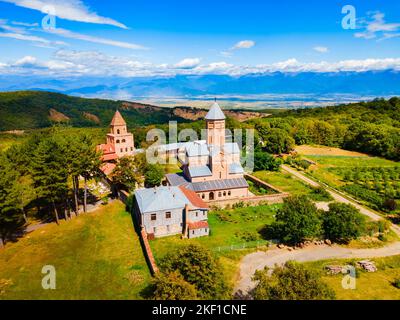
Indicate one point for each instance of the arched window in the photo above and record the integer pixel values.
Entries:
(229, 193)
(123, 140)
(219, 194)
(224, 193)
(126, 149)
(117, 141)
(211, 196)
(118, 131)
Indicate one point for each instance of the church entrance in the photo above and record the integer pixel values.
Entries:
(211, 196)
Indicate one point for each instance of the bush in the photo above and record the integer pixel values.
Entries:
(390, 205)
(343, 222)
(198, 267)
(298, 220)
(290, 282)
(172, 286)
(321, 194)
(364, 194)
(396, 283)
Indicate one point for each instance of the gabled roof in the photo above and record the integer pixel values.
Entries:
(117, 120)
(193, 198)
(215, 113)
(197, 225)
(159, 199)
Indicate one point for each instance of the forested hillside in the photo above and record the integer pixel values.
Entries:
(371, 127)
(36, 109)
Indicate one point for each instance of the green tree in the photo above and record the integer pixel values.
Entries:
(172, 286)
(11, 217)
(266, 161)
(125, 175)
(49, 172)
(343, 222)
(298, 220)
(198, 267)
(153, 175)
(276, 141)
(290, 282)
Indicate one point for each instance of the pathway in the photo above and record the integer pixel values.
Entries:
(258, 260)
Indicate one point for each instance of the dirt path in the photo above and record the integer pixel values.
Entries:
(340, 198)
(259, 260)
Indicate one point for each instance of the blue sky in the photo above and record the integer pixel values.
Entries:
(138, 37)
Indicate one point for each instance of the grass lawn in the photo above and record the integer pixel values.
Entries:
(234, 233)
(96, 256)
(287, 183)
(369, 286)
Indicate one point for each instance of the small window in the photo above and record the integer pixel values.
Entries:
(197, 214)
(229, 193)
(219, 194)
(220, 175)
(153, 217)
(123, 140)
(224, 193)
(168, 215)
(131, 148)
(204, 213)
(192, 231)
(126, 149)
(203, 196)
(117, 141)
(122, 150)
(154, 229)
(118, 131)
(205, 229)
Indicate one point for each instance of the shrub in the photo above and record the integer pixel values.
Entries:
(297, 221)
(396, 283)
(390, 205)
(343, 222)
(290, 282)
(199, 268)
(172, 286)
(321, 194)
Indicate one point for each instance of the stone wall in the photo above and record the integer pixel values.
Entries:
(254, 200)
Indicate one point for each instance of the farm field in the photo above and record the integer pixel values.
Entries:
(374, 180)
(287, 183)
(234, 233)
(369, 286)
(96, 256)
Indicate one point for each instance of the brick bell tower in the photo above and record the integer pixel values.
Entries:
(119, 137)
(215, 124)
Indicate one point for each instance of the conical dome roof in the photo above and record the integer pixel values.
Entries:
(117, 120)
(215, 113)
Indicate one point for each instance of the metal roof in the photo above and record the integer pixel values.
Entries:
(215, 113)
(159, 199)
(200, 171)
(196, 148)
(235, 168)
(219, 184)
(231, 148)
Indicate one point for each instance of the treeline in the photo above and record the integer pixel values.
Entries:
(42, 173)
(370, 127)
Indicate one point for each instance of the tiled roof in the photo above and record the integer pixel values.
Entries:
(105, 148)
(200, 171)
(117, 120)
(161, 198)
(235, 168)
(193, 198)
(215, 113)
(110, 156)
(108, 168)
(197, 225)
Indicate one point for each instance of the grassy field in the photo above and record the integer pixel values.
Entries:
(234, 233)
(96, 256)
(287, 183)
(369, 286)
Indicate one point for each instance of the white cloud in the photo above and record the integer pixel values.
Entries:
(74, 10)
(375, 26)
(245, 44)
(188, 63)
(25, 24)
(68, 63)
(79, 36)
(321, 49)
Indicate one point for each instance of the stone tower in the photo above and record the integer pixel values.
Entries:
(215, 124)
(119, 137)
